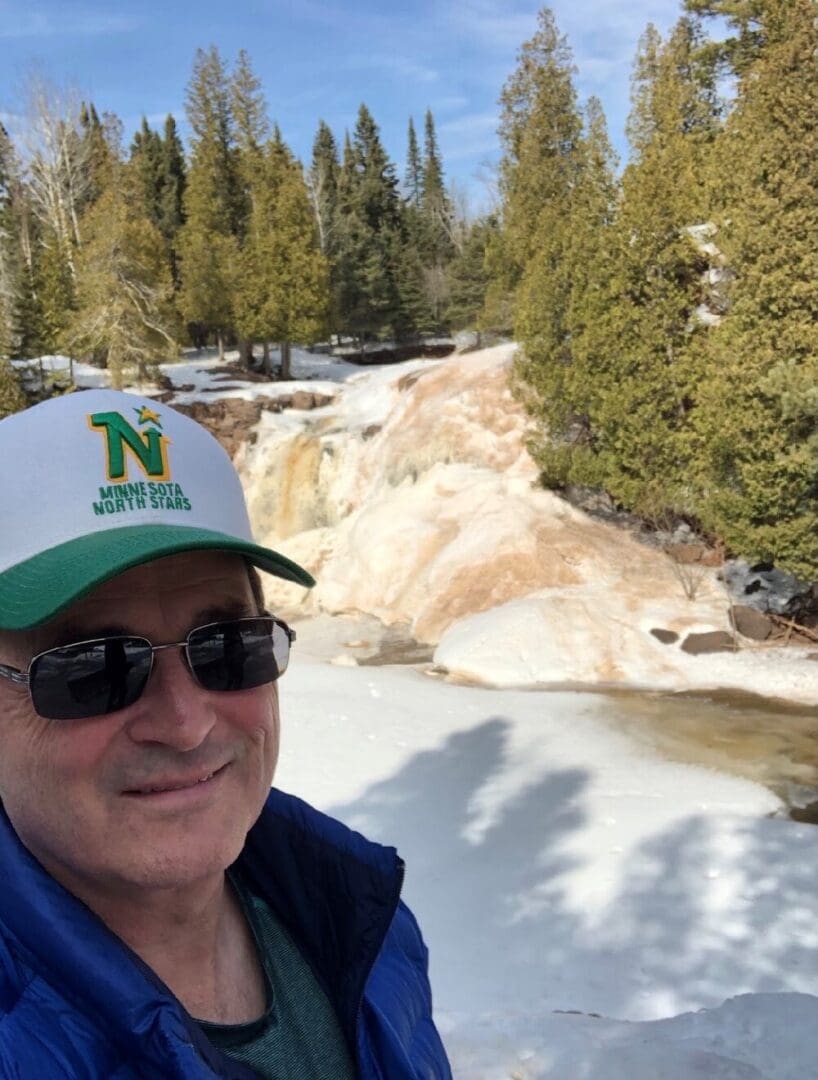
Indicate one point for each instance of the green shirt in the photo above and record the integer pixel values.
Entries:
(299, 1036)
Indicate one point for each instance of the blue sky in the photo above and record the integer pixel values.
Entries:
(321, 58)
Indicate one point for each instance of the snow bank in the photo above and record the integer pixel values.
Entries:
(555, 865)
(582, 635)
(751, 1037)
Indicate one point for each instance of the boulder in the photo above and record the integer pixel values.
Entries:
(712, 641)
(667, 637)
(750, 622)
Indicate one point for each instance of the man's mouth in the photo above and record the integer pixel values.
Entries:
(161, 786)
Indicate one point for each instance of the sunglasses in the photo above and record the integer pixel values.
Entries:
(104, 675)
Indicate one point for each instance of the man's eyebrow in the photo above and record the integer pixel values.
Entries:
(231, 609)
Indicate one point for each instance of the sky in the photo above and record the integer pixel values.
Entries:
(318, 59)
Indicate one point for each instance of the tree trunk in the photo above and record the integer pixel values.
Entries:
(246, 353)
(220, 342)
(265, 356)
(285, 360)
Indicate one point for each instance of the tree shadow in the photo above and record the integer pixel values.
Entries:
(708, 908)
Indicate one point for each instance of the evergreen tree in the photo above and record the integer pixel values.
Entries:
(467, 277)
(435, 239)
(172, 180)
(251, 126)
(322, 185)
(540, 126)
(646, 344)
(97, 153)
(541, 130)
(284, 286)
(757, 424)
(370, 236)
(146, 164)
(413, 183)
(124, 287)
(434, 201)
(207, 245)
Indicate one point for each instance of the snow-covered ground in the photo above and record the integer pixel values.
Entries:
(559, 870)
(593, 911)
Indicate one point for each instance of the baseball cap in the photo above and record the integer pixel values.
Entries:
(96, 482)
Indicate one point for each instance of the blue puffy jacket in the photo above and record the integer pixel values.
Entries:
(76, 1002)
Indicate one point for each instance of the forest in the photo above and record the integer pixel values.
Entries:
(666, 309)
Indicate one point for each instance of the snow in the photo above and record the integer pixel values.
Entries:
(592, 909)
(557, 866)
(86, 376)
(554, 637)
(412, 498)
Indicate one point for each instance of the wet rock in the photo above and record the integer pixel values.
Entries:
(750, 622)
(694, 554)
(306, 399)
(765, 587)
(231, 420)
(667, 637)
(712, 641)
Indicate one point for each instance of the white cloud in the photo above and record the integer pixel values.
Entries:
(397, 65)
(469, 135)
(36, 24)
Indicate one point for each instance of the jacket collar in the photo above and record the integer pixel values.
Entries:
(334, 890)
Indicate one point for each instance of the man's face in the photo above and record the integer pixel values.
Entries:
(81, 793)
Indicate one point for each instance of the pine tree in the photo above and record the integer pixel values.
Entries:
(370, 234)
(467, 277)
(322, 180)
(283, 286)
(540, 126)
(435, 226)
(208, 247)
(541, 130)
(172, 181)
(146, 163)
(251, 127)
(413, 182)
(124, 287)
(757, 424)
(97, 154)
(647, 342)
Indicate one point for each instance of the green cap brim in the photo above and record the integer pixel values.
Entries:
(39, 588)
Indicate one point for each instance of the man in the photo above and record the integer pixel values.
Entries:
(163, 913)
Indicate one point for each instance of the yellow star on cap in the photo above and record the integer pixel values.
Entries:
(148, 416)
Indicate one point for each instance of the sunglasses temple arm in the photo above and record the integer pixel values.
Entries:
(13, 675)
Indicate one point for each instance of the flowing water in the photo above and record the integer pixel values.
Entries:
(772, 742)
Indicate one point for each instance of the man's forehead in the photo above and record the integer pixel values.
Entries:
(199, 586)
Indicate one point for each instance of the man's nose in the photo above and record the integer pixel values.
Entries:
(173, 710)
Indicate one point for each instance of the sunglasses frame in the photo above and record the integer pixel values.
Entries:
(23, 678)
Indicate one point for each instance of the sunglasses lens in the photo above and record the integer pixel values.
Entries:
(90, 679)
(238, 655)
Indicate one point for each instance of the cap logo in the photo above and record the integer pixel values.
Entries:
(125, 446)
(148, 449)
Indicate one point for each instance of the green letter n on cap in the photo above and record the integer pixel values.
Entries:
(149, 448)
